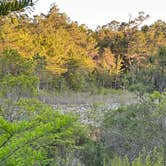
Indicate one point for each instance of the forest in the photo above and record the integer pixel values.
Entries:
(49, 58)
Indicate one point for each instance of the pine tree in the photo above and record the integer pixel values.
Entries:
(7, 6)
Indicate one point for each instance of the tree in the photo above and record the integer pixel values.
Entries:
(11, 62)
(15, 87)
(160, 69)
(8, 6)
(39, 135)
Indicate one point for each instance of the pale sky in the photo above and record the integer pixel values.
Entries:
(100, 12)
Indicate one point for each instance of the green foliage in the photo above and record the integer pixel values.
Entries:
(132, 135)
(117, 55)
(14, 5)
(154, 158)
(60, 84)
(66, 56)
(93, 154)
(140, 89)
(15, 87)
(150, 78)
(38, 130)
(136, 126)
(11, 62)
(40, 63)
(76, 81)
(161, 56)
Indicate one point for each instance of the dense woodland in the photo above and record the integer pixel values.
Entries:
(51, 53)
(72, 56)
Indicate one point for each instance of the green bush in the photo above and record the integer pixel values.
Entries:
(16, 87)
(11, 62)
(154, 158)
(130, 128)
(76, 81)
(39, 135)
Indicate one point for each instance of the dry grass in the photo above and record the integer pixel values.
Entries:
(78, 98)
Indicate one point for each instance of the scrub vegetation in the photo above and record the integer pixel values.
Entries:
(72, 96)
